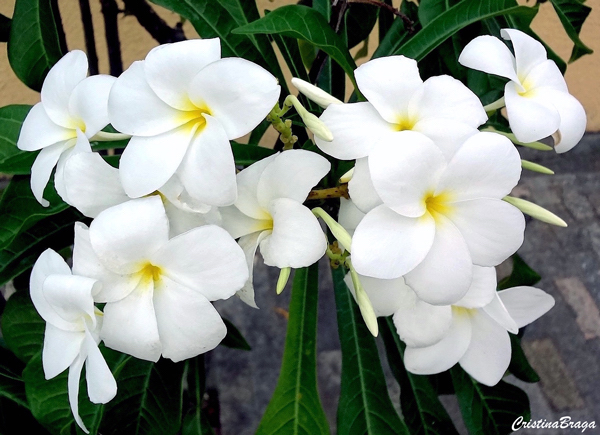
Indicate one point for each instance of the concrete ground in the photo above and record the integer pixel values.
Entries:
(563, 346)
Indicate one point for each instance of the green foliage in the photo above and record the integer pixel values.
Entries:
(12, 159)
(489, 410)
(521, 274)
(234, 338)
(572, 14)
(195, 421)
(365, 406)
(22, 327)
(295, 406)
(423, 412)
(245, 155)
(519, 366)
(33, 46)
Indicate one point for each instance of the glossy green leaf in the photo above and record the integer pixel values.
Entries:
(295, 407)
(12, 386)
(489, 410)
(54, 232)
(519, 366)
(33, 46)
(19, 209)
(5, 24)
(245, 155)
(22, 327)
(234, 338)
(360, 20)
(522, 274)
(195, 421)
(302, 22)
(423, 412)
(365, 406)
(386, 18)
(454, 19)
(12, 159)
(397, 34)
(572, 14)
(259, 131)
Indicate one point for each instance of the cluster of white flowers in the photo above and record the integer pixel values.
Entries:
(426, 204)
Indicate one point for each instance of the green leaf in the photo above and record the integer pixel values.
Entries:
(234, 338)
(5, 24)
(423, 412)
(360, 20)
(12, 159)
(245, 155)
(489, 410)
(196, 422)
(33, 46)
(386, 18)
(22, 327)
(519, 366)
(521, 274)
(572, 14)
(55, 232)
(19, 209)
(454, 19)
(148, 400)
(397, 35)
(259, 132)
(12, 386)
(365, 406)
(213, 19)
(295, 407)
(302, 22)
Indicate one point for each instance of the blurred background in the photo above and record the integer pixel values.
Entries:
(563, 346)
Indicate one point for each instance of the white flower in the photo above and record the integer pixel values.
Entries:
(437, 217)
(182, 105)
(538, 102)
(269, 212)
(158, 290)
(65, 302)
(441, 108)
(71, 104)
(92, 186)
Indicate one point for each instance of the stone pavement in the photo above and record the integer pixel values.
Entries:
(563, 346)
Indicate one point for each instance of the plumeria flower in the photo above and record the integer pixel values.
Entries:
(269, 212)
(439, 218)
(92, 186)
(65, 302)
(73, 109)
(538, 103)
(471, 332)
(158, 290)
(182, 105)
(441, 108)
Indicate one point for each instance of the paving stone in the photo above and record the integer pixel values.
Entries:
(577, 296)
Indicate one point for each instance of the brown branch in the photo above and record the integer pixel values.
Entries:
(154, 25)
(110, 10)
(333, 192)
(88, 31)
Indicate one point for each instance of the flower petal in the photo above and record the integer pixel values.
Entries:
(488, 355)
(147, 163)
(239, 225)
(531, 118)
(101, 384)
(170, 68)
(356, 128)
(188, 324)
(247, 182)
(89, 102)
(420, 324)
(445, 353)
(134, 108)
(42, 168)
(48, 263)
(60, 349)
(526, 304)
(349, 215)
(125, 235)
(39, 131)
(60, 82)
(389, 83)
(492, 228)
(499, 314)
(92, 185)
(386, 245)
(292, 174)
(249, 245)
(528, 51)
(487, 165)
(445, 274)
(297, 239)
(70, 297)
(448, 98)
(208, 171)
(489, 54)
(572, 120)
(130, 324)
(73, 389)
(361, 189)
(386, 295)
(447, 134)
(405, 170)
(205, 259)
(176, 194)
(181, 220)
(546, 74)
(482, 290)
(239, 93)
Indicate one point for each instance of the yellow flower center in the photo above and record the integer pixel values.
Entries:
(194, 119)
(438, 204)
(150, 273)
(405, 123)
